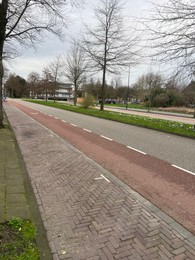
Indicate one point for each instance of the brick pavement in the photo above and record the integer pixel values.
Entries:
(87, 212)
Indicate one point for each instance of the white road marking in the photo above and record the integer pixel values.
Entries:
(34, 113)
(50, 115)
(56, 117)
(183, 169)
(136, 150)
(74, 125)
(99, 178)
(86, 130)
(102, 177)
(107, 138)
(63, 121)
(105, 178)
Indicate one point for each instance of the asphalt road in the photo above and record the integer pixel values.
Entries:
(179, 151)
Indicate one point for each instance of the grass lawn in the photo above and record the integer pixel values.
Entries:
(168, 126)
(17, 240)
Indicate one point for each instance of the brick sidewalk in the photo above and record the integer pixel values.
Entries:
(87, 212)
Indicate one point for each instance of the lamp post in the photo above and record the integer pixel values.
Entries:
(128, 88)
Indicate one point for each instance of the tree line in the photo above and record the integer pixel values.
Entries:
(150, 89)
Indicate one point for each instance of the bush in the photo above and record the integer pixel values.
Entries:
(88, 101)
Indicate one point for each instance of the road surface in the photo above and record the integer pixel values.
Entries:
(179, 151)
(168, 187)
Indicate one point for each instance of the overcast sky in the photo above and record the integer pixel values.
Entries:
(31, 60)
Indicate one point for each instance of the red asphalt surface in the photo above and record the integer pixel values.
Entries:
(169, 188)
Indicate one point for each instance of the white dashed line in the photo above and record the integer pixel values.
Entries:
(56, 118)
(136, 150)
(63, 121)
(74, 125)
(183, 169)
(106, 138)
(50, 115)
(86, 130)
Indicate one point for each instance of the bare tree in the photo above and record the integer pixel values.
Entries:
(147, 86)
(33, 84)
(172, 26)
(55, 72)
(108, 44)
(76, 67)
(45, 83)
(24, 22)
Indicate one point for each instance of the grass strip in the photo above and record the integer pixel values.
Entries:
(17, 240)
(178, 128)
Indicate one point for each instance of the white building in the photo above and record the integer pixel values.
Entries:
(59, 91)
(64, 91)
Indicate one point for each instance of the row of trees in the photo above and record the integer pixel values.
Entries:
(150, 89)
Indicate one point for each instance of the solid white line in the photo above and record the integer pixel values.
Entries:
(64, 121)
(136, 150)
(183, 169)
(86, 130)
(105, 178)
(74, 125)
(106, 138)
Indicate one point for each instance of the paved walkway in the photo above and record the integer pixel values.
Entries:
(87, 212)
(16, 196)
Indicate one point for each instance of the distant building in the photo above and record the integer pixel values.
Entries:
(57, 91)
(63, 91)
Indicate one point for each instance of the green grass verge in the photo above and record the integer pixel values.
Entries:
(143, 121)
(17, 240)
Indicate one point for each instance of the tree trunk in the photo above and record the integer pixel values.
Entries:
(46, 95)
(3, 21)
(103, 89)
(1, 97)
(104, 73)
(75, 93)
